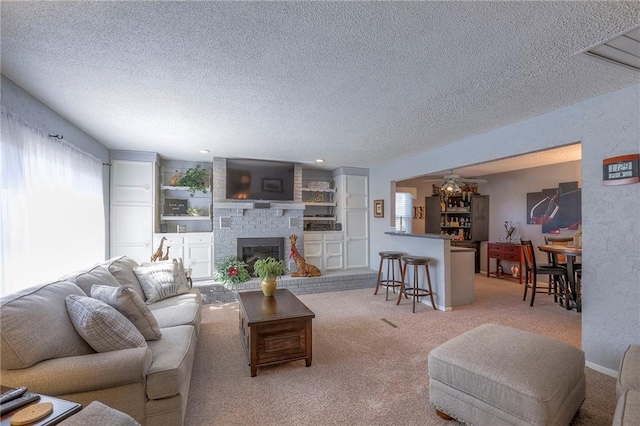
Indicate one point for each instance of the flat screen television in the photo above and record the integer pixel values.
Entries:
(249, 179)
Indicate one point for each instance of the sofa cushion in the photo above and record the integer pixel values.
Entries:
(627, 409)
(103, 328)
(121, 268)
(98, 274)
(129, 304)
(193, 297)
(161, 280)
(172, 361)
(179, 314)
(35, 326)
(629, 371)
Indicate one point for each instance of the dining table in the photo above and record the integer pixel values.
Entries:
(571, 253)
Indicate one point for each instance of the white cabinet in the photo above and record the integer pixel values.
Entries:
(132, 209)
(353, 213)
(194, 248)
(324, 249)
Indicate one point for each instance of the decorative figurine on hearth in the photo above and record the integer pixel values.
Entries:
(304, 269)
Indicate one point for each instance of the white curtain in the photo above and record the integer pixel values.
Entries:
(52, 207)
(404, 209)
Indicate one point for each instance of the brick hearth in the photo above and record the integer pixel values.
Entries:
(331, 281)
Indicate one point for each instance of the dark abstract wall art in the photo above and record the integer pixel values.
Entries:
(555, 208)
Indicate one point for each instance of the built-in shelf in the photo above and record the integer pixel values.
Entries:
(308, 203)
(319, 218)
(184, 218)
(319, 190)
(180, 188)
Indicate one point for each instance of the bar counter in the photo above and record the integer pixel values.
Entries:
(451, 286)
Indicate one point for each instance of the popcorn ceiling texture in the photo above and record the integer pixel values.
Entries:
(356, 83)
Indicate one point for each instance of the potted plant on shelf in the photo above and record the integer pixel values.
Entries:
(268, 269)
(194, 178)
(230, 270)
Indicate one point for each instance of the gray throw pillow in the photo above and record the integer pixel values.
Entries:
(129, 304)
(101, 326)
(121, 268)
(162, 280)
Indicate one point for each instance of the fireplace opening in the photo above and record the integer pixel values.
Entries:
(252, 249)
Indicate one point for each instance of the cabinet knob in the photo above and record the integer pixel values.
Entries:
(147, 187)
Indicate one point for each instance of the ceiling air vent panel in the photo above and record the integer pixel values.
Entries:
(623, 49)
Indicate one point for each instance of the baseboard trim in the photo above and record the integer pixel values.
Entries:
(601, 369)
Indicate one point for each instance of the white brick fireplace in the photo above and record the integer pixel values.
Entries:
(239, 219)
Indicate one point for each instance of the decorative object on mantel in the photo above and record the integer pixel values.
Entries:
(194, 179)
(268, 270)
(230, 270)
(304, 269)
(158, 253)
(378, 208)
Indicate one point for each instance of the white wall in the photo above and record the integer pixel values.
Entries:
(607, 126)
(21, 104)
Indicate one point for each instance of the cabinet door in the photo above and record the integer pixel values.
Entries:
(332, 255)
(480, 217)
(131, 232)
(313, 253)
(356, 239)
(356, 190)
(432, 211)
(199, 257)
(131, 182)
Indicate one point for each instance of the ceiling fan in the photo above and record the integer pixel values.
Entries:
(453, 183)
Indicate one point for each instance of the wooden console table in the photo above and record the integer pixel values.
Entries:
(509, 252)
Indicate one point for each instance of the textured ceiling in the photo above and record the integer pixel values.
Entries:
(355, 83)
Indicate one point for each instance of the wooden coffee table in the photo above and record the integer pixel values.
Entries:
(274, 329)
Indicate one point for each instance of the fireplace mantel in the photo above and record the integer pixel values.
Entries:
(251, 205)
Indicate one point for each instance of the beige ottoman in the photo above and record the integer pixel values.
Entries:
(496, 375)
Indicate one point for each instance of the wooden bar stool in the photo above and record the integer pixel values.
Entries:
(393, 259)
(416, 291)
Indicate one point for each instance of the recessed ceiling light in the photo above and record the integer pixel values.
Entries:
(204, 151)
(319, 160)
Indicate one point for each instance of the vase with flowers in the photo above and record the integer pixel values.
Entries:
(230, 270)
(268, 270)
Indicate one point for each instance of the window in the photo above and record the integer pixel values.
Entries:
(51, 207)
(404, 209)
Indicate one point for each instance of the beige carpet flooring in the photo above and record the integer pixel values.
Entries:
(365, 372)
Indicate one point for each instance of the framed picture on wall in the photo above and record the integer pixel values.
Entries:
(378, 208)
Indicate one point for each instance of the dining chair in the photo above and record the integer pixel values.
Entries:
(557, 276)
(561, 259)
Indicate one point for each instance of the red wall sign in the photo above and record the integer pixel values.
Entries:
(621, 170)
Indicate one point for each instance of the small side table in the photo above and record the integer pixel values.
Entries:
(62, 409)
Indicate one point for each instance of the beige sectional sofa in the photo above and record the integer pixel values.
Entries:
(628, 389)
(42, 349)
